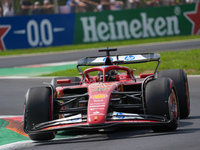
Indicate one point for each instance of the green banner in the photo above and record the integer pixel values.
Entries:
(137, 23)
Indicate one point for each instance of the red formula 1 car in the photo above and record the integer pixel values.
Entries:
(106, 96)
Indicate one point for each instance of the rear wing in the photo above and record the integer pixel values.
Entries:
(123, 59)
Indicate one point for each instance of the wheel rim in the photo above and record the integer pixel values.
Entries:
(187, 95)
(173, 107)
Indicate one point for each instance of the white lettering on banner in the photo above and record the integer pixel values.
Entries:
(123, 26)
(159, 26)
(172, 22)
(112, 27)
(39, 35)
(122, 29)
(33, 33)
(47, 40)
(135, 27)
(147, 26)
(102, 29)
(87, 28)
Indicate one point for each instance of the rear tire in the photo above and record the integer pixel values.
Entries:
(179, 78)
(161, 100)
(38, 110)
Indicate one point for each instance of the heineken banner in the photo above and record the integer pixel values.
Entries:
(67, 29)
(137, 23)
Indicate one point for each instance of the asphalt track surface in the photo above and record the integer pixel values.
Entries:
(11, 61)
(186, 137)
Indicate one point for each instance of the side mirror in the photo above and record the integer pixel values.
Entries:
(132, 71)
(63, 81)
(145, 75)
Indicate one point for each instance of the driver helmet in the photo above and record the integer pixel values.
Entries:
(111, 75)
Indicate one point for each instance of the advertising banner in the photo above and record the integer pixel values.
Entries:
(22, 32)
(137, 23)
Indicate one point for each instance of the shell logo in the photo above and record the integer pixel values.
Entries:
(99, 96)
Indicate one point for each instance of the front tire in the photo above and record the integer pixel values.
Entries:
(179, 78)
(38, 110)
(162, 100)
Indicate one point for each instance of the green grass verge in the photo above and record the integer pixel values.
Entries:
(187, 60)
(95, 45)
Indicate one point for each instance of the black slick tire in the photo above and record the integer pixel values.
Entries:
(179, 78)
(38, 110)
(161, 100)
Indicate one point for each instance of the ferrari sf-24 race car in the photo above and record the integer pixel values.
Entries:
(108, 95)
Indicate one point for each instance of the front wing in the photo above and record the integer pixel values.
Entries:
(78, 122)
